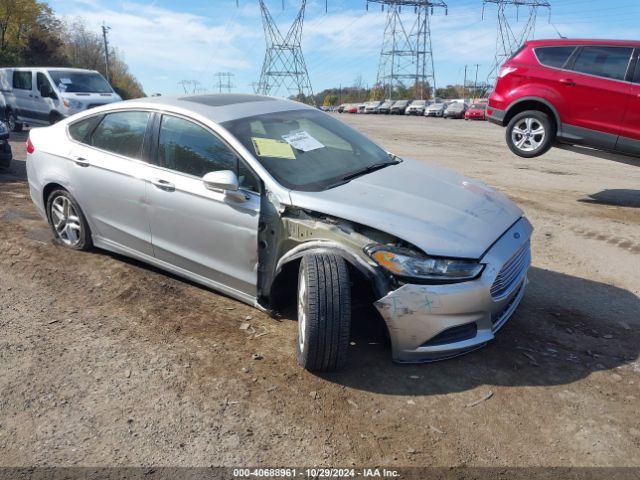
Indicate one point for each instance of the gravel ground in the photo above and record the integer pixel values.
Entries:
(105, 361)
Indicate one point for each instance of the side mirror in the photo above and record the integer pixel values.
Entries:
(221, 180)
(225, 181)
(46, 91)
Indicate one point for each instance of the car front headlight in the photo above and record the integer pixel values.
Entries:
(409, 264)
(3, 128)
(73, 104)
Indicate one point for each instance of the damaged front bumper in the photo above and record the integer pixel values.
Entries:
(434, 322)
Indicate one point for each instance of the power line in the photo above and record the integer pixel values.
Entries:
(226, 83)
(407, 54)
(284, 70)
(105, 30)
(509, 38)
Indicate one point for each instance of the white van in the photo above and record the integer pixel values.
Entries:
(42, 96)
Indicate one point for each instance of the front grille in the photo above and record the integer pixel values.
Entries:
(454, 334)
(497, 317)
(511, 272)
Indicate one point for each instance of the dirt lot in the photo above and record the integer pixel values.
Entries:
(104, 361)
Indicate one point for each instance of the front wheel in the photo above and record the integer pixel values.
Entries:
(324, 312)
(14, 125)
(530, 134)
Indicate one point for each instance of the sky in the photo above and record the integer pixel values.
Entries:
(166, 41)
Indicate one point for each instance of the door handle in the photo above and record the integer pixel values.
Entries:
(81, 162)
(568, 82)
(164, 185)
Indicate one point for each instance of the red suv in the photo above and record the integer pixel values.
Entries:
(579, 92)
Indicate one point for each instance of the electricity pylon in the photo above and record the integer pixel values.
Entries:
(509, 38)
(407, 54)
(284, 71)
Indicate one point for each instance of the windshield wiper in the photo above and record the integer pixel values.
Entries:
(369, 169)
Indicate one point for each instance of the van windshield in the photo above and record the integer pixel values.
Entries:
(80, 82)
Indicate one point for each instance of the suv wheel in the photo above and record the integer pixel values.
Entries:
(324, 312)
(530, 133)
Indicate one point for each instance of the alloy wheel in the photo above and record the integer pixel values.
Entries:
(528, 134)
(66, 221)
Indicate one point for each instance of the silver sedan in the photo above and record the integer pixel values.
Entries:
(270, 201)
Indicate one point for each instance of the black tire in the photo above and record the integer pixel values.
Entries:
(14, 125)
(81, 241)
(324, 313)
(528, 144)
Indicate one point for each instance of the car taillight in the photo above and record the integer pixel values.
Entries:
(30, 147)
(504, 71)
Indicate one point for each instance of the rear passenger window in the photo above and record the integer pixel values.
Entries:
(79, 130)
(608, 62)
(22, 80)
(554, 56)
(121, 133)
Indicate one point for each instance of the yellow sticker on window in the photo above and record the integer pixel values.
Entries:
(268, 147)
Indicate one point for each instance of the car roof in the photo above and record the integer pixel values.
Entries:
(220, 107)
(581, 41)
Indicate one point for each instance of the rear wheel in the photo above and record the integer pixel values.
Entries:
(530, 134)
(324, 312)
(67, 221)
(14, 125)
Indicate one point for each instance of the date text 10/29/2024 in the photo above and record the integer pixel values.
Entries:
(314, 473)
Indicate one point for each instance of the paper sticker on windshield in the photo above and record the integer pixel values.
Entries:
(268, 147)
(302, 141)
(66, 81)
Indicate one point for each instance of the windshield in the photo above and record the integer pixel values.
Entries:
(80, 82)
(478, 106)
(456, 106)
(437, 105)
(306, 149)
(419, 103)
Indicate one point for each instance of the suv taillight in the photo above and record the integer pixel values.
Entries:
(30, 147)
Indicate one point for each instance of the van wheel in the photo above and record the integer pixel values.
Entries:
(324, 312)
(530, 133)
(54, 118)
(67, 221)
(14, 125)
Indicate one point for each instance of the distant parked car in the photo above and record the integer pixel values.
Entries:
(476, 112)
(417, 107)
(361, 107)
(342, 108)
(584, 92)
(455, 110)
(435, 110)
(399, 107)
(5, 147)
(372, 107)
(352, 108)
(44, 96)
(385, 107)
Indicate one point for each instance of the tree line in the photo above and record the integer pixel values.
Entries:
(32, 35)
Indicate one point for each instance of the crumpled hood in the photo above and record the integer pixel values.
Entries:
(438, 211)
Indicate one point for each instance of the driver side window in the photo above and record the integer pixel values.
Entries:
(189, 148)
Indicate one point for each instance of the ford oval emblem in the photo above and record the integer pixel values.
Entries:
(516, 235)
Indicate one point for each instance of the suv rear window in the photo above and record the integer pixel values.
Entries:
(554, 56)
(608, 62)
